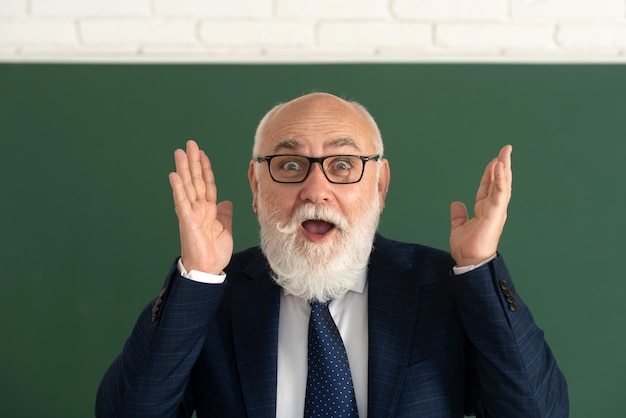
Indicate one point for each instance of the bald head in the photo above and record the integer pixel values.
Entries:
(319, 111)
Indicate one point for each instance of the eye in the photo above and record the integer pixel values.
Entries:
(341, 165)
(291, 165)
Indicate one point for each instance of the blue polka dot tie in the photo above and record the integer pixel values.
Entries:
(329, 390)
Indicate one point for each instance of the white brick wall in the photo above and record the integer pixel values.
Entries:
(86, 8)
(446, 10)
(315, 30)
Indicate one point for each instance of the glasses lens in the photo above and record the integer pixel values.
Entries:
(343, 168)
(289, 168)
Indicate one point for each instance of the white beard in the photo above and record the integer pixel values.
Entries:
(317, 271)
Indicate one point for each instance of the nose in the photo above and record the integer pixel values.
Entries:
(316, 188)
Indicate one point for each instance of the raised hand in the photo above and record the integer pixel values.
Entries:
(476, 239)
(206, 240)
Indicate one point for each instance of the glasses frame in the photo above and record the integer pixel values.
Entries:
(320, 160)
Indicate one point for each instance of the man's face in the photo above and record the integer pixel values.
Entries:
(316, 126)
(317, 235)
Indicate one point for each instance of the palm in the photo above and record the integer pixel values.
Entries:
(205, 226)
(476, 239)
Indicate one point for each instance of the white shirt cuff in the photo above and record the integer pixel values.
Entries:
(200, 276)
(466, 269)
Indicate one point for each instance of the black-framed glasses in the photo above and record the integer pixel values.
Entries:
(338, 169)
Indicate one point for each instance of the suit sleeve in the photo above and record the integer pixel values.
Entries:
(150, 377)
(511, 369)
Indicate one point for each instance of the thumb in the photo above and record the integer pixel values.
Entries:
(225, 215)
(458, 214)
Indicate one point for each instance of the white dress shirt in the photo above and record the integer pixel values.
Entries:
(350, 314)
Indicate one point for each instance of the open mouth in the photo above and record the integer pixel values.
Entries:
(316, 228)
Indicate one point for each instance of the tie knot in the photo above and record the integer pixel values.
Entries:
(320, 310)
(319, 305)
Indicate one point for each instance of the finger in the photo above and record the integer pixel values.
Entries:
(182, 169)
(486, 181)
(503, 176)
(505, 156)
(181, 203)
(458, 214)
(196, 169)
(208, 178)
(501, 193)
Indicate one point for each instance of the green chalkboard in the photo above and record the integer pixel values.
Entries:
(88, 231)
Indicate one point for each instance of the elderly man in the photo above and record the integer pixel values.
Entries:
(410, 330)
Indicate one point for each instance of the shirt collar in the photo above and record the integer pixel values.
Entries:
(357, 287)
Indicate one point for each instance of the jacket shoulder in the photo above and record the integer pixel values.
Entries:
(410, 256)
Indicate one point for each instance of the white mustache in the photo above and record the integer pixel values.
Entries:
(312, 212)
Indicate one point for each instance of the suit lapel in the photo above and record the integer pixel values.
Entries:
(392, 309)
(255, 310)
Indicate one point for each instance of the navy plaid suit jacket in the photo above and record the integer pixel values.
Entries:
(439, 345)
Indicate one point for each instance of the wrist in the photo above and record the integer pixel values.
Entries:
(470, 264)
(189, 266)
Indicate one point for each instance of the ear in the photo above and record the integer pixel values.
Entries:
(383, 182)
(254, 184)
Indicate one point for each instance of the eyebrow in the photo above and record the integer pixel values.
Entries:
(294, 144)
(290, 144)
